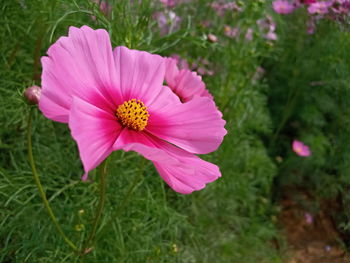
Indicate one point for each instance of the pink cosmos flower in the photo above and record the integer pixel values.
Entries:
(301, 149)
(184, 83)
(319, 7)
(283, 7)
(115, 99)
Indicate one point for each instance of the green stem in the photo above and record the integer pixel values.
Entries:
(288, 110)
(39, 185)
(102, 171)
(127, 196)
(125, 200)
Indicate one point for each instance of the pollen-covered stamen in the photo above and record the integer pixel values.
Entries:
(133, 114)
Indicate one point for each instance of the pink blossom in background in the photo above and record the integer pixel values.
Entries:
(271, 36)
(298, 3)
(168, 3)
(249, 34)
(309, 2)
(212, 38)
(319, 7)
(115, 100)
(267, 27)
(232, 6)
(173, 3)
(300, 148)
(308, 218)
(184, 83)
(283, 7)
(203, 71)
(32, 94)
(202, 66)
(206, 23)
(221, 7)
(168, 22)
(259, 73)
(311, 26)
(104, 6)
(181, 63)
(341, 7)
(266, 24)
(218, 8)
(232, 32)
(162, 21)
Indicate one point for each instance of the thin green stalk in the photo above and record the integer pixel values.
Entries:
(102, 172)
(39, 185)
(287, 111)
(125, 200)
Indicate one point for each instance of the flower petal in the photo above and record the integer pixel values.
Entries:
(192, 175)
(165, 97)
(140, 74)
(94, 130)
(171, 71)
(182, 171)
(80, 65)
(196, 126)
(184, 83)
(130, 140)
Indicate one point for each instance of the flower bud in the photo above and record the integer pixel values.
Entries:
(32, 94)
(212, 38)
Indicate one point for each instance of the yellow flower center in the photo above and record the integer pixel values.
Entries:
(299, 149)
(133, 114)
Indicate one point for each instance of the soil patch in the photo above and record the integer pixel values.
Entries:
(311, 237)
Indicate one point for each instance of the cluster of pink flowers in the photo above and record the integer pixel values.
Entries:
(222, 7)
(169, 3)
(131, 100)
(313, 6)
(201, 65)
(267, 27)
(232, 32)
(235, 32)
(283, 7)
(317, 9)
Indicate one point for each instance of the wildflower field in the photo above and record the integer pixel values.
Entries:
(175, 131)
